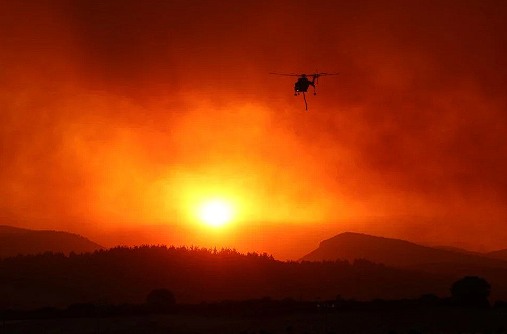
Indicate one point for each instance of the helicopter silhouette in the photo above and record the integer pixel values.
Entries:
(303, 83)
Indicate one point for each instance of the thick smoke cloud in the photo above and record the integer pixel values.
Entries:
(123, 113)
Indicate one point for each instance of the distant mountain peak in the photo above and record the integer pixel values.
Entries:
(363, 237)
(389, 251)
(15, 241)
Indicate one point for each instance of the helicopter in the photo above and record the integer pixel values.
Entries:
(303, 83)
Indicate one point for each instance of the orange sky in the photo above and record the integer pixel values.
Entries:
(118, 118)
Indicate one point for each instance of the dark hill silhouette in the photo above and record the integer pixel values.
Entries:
(394, 252)
(499, 254)
(127, 275)
(459, 250)
(15, 241)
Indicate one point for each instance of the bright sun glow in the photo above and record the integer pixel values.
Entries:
(216, 213)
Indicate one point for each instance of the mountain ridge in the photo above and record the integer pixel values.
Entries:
(19, 241)
(393, 252)
(499, 254)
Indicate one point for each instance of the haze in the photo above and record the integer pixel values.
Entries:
(119, 118)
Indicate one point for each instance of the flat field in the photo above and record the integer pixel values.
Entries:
(438, 321)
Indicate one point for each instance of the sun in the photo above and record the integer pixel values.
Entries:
(216, 213)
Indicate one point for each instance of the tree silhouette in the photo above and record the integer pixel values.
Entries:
(161, 300)
(471, 291)
(126, 275)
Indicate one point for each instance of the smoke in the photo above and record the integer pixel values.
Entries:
(125, 113)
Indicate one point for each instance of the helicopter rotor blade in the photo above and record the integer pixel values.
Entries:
(318, 74)
(324, 74)
(287, 74)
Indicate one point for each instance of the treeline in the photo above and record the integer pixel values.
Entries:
(126, 275)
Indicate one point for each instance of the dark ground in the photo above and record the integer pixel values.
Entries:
(439, 321)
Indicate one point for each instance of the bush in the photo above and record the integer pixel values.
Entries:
(472, 291)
